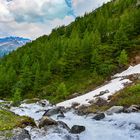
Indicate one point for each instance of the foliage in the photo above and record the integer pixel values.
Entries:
(123, 58)
(129, 96)
(71, 54)
(17, 97)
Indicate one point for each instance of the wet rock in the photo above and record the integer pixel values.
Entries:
(115, 109)
(61, 115)
(53, 111)
(68, 137)
(137, 127)
(99, 116)
(77, 129)
(63, 125)
(132, 108)
(46, 121)
(20, 134)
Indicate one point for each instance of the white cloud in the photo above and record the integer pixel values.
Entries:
(38, 11)
(32, 30)
(82, 6)
(33, 18)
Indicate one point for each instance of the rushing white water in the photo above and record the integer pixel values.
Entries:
(114, 127)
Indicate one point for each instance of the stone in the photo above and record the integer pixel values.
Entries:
(100, 102)
(53, 111)
(77, 129)
(115, 109)
(43, 103)
(61, 115)
(46, 121)
(63, 125)
(132, 108)
(20, 134)
(75, 104)
(81, 110)
(99, 116)
(102, 93)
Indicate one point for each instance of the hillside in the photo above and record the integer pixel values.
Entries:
(75, 58)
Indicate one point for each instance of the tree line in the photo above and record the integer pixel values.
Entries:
(73, 57)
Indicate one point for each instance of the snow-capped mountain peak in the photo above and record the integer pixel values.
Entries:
(11, 43)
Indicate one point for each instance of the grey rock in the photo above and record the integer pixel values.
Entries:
(132, 108)
(77, 129)
(61, 115)
(75, 104)
(102, 93)
(63, 125)
(115, 109)
(20, 134)
(99, 116)
(53, 111)
(46, 121)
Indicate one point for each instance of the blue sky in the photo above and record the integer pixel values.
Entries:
(33, 18)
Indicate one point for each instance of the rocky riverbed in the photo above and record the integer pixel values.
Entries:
(52, 124)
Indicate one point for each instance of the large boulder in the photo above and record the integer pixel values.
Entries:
(46, 121)
(53, 111)
(115, 109)
(15, 134)
(77, 129)
(99, 116)
(20, 134)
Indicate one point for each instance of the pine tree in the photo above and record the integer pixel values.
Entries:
(61, 90)
(123, 58)
(17, 97)
(120, 39)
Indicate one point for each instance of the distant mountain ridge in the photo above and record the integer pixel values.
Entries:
(11, 43)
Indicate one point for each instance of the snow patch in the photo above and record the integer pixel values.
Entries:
(130, 71)
(113, 86)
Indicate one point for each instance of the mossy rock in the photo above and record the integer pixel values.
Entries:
(9, 120)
